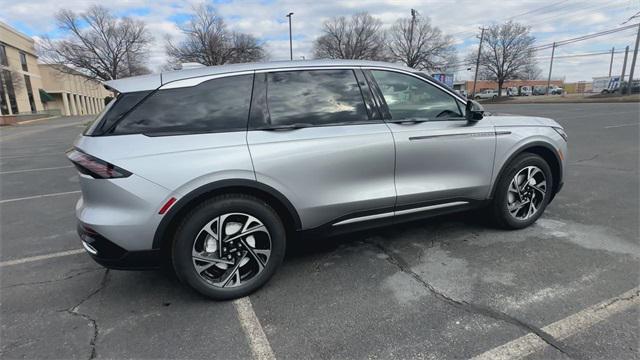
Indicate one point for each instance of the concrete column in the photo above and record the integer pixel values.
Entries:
(83, 109)
(79, 104)
(83, 99)
(72, 100)
(90, 103)
(65, 103)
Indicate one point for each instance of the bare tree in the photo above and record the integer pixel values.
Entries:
(531, 72)
(507, 53)
(99, 45)
(209, 42)
(359, 37)
(416, 43)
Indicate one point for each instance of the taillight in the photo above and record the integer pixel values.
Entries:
(95, 167)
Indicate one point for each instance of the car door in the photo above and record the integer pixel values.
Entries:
(440, 156)
(319, 140)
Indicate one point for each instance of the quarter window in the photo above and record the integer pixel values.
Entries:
(315, 97)
(212, 106)
(409, 97)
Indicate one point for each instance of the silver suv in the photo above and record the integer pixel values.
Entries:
(214, 169)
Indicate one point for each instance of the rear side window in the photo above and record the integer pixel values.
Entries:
(315, 97)
(409, 97)
(114, 111)
(213, 106)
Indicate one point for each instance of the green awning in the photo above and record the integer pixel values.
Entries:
(44, 96)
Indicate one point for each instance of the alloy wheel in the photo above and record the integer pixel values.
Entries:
(231, 249)
(526, 192)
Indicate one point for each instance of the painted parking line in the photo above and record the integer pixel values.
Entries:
(562, 329)
(32, 170)
(41, 257)
(258, 342)
(619, 126)
(39, 196)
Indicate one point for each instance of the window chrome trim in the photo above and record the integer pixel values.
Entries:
(188, 82)
(194, 81)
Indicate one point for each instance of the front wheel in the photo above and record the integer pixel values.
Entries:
(523, 192)
(229, 246)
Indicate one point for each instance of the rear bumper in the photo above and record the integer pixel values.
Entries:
(112, 256)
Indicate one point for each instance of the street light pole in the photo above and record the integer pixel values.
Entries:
(290, 38)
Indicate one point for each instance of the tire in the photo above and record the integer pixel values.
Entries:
(478, 98)
(234, 212)
(505, 194)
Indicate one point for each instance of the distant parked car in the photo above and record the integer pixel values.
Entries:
(539, 90)
(463, 93)
(635, 88)
(487, 94)
(555, 90)
(524, 91)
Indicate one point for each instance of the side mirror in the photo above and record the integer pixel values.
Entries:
(474, 111)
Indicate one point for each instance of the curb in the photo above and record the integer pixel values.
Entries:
(36, 120)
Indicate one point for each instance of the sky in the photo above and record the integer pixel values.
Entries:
(549, 21)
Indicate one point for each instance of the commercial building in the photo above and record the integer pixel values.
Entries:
(70, 92)
(19, 73)
(29, 89)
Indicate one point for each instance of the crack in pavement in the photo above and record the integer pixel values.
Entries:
(627, 298)
(50, 281)
(470, 307)
(74, 311)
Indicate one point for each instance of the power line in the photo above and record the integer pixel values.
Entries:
(586, 37)
(537, 21)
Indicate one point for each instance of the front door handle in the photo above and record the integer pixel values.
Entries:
(407, 121)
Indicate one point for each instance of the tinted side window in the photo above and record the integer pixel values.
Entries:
(114, 111)
(315, 97)
(409, 97)
(214, 105)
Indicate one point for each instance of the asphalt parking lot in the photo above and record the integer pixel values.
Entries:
(444, 288)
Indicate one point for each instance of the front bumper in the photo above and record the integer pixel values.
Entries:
(112, 256)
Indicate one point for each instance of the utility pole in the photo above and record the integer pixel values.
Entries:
(553, 50)
(290, 38)
(633, 61)
(413, 22)
(475, 77)
(624, 69)
(611, 62)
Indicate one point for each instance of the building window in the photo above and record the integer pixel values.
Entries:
(8, 84)
(4, 106)
(32, 100)
(3, 56)
(23, 61)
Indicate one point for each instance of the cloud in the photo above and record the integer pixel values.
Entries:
(549, 21)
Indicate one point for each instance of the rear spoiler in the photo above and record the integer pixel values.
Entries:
(135, 83)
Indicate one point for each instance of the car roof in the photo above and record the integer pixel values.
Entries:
(154, 81)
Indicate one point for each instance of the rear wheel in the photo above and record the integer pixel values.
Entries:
(523, 192)
(229, 246)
